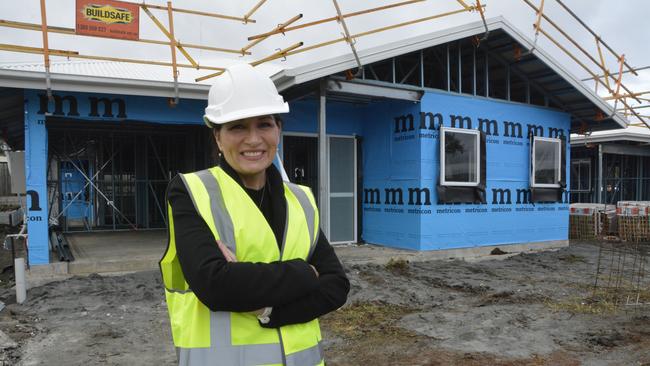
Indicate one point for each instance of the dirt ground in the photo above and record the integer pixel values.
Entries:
(525, 309)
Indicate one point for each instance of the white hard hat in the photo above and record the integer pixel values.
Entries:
(242, 92)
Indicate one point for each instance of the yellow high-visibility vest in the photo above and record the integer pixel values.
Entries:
(203, 337)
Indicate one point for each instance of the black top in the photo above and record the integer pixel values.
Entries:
(290, 287)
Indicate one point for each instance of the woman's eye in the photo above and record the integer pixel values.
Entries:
(236, 127)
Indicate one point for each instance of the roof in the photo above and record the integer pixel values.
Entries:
(149, 80)
(580, 100)
(104, 77)
(111, 77)
(632, 133)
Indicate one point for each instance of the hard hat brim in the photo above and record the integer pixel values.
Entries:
(250, 112)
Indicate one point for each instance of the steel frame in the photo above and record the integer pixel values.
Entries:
(511, 69)
(140, 182)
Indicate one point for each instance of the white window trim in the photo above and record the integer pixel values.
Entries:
(582, 161)
(558, 171)
(476, 133)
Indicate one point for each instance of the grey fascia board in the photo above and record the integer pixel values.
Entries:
(581, 140)
(93, 84)
(391, 92)
(282, 81)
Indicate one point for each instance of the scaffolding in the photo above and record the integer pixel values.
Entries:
(175, 45)
(615, 89)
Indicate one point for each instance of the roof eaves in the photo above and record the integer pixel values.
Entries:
(95, 84)
(612, 135)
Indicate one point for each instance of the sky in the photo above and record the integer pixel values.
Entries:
(622, 24)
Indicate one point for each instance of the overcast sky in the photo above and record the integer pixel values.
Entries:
(623, 24)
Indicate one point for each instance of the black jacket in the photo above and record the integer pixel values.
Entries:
(290, 287)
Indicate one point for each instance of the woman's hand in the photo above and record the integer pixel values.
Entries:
(230, 257)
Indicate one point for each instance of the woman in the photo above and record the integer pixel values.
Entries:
(247, 271)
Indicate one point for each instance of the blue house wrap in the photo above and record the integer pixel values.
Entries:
(412, 169)
(401, 169)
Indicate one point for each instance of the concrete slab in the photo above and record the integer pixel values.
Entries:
(365, 254)
(128, 251)
(116, 251)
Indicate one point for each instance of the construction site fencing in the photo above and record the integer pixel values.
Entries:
(633, 220)
(620, 279)
(629, 220)
(591, 220)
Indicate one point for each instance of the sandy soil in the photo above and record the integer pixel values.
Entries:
(527, 309)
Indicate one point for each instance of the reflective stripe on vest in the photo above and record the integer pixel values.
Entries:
(260, 354)
(215, 338)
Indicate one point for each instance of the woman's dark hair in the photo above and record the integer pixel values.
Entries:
(276, 117)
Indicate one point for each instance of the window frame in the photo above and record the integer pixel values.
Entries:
(582, 161)
(558, 170)
(477, 135)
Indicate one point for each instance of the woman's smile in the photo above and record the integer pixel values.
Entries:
(249, 146)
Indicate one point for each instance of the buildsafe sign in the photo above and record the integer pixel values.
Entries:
(107, 18)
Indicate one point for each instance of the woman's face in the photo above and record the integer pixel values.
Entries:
(249, 146)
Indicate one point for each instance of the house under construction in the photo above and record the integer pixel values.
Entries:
(448, 140)
(611, 166)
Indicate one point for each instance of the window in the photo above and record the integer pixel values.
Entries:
(460, 157)
(546, 160)
(581, 175)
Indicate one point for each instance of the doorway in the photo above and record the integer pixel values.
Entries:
(342, 172)
(300, 160)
